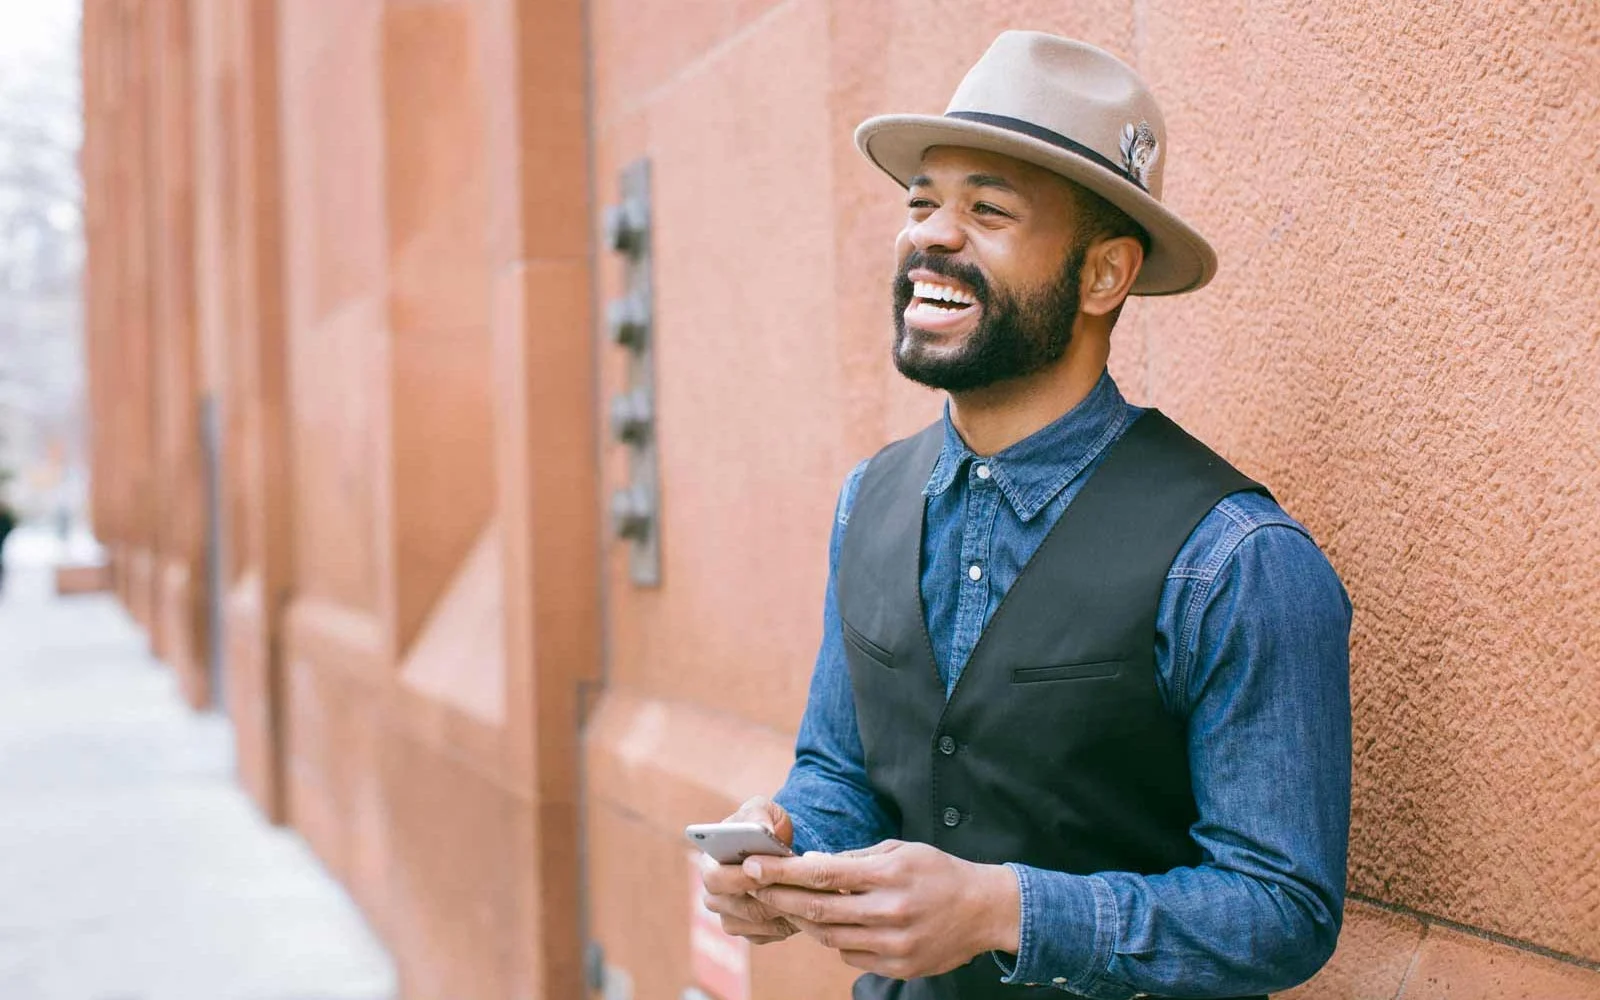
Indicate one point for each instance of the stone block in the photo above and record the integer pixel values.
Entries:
(255, 692)
(1376, 948)
(184, 648)
(442, 478)
(639, 47)
(336, 441)
(453, 912)
(549, 123)
(82, 578)
(332, 145)
(435, 176)
(1461, 967)
(545, 441)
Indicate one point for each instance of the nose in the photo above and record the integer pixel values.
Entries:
(937, 233)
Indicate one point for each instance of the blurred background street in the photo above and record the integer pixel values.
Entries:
(132, 867)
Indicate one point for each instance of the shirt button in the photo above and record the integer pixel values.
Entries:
(982, 471)
(952, 816)
(947, 745)
(975, 572)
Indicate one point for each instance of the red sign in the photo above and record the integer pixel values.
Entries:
(719, 962)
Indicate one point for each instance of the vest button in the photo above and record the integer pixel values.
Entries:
(947, 745)
(952, 816)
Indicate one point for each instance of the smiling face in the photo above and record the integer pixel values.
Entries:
(990, 266)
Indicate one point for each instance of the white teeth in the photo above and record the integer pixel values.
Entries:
(941, 293)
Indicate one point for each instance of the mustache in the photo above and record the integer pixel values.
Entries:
(968, 274)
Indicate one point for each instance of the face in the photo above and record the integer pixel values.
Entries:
(990, 264)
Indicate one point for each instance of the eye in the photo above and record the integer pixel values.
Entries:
(916, 203)
(984, 208)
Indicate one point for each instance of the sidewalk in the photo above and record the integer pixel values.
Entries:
(131, 865)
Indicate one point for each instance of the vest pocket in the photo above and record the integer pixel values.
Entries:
(1067, 672)
(867, 646)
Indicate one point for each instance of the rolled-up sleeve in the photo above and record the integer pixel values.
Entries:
(1259, 661)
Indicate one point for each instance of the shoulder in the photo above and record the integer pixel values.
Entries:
(922, 445)
(1245, 521)
(847, 492)
(1249, 579)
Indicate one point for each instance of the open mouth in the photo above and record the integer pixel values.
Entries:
(945, 298)
(938, 304)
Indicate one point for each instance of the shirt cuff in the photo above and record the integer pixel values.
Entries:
(1068, 930)
(805, 838)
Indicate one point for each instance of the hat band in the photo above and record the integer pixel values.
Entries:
(1043, 134)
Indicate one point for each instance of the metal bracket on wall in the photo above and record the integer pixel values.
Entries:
(630, 323)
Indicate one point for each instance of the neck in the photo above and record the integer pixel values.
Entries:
(997, 416)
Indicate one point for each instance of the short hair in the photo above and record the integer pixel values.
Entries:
(1098, 219)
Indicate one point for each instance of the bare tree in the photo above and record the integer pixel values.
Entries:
(41, 258)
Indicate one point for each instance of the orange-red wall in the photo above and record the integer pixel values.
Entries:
(369, 228)
(371, 243)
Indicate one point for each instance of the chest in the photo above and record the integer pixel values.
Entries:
(975, 545)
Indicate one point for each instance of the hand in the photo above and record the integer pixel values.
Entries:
(728, 887)
(900, 910)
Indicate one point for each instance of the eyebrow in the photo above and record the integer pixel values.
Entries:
(973, 180)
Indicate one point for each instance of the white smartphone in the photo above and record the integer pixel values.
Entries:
(731, 843)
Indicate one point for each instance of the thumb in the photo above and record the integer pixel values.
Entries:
(769, 814)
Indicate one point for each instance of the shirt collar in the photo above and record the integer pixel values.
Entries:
(1031, 472)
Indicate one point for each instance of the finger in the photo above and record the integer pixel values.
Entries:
(847, 937)
(726, 880)
(707, 865)
(776, 930)
(752, 810)
(742, 907)
(813, 871)
(817, 907)
(866, 961)
(769, 814)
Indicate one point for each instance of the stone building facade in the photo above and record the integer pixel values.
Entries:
(360, 247)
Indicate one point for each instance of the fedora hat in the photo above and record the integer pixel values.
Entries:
(1070, 108)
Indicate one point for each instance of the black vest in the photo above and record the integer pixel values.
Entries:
(1054, 749)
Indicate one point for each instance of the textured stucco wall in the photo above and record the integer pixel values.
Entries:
(1404, 341)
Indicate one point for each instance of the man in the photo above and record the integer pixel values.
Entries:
(1080, 719)
(8, 524)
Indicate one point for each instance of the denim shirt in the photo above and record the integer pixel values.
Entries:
(1252, 656)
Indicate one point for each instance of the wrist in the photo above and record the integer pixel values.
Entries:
(1001, 928)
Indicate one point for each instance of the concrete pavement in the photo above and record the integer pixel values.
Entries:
(131, 865)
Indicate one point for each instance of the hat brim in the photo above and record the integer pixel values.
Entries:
(1180, 259)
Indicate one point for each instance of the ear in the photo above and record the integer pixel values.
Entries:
(1109, 270)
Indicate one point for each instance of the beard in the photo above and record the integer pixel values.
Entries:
(1017, 334)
